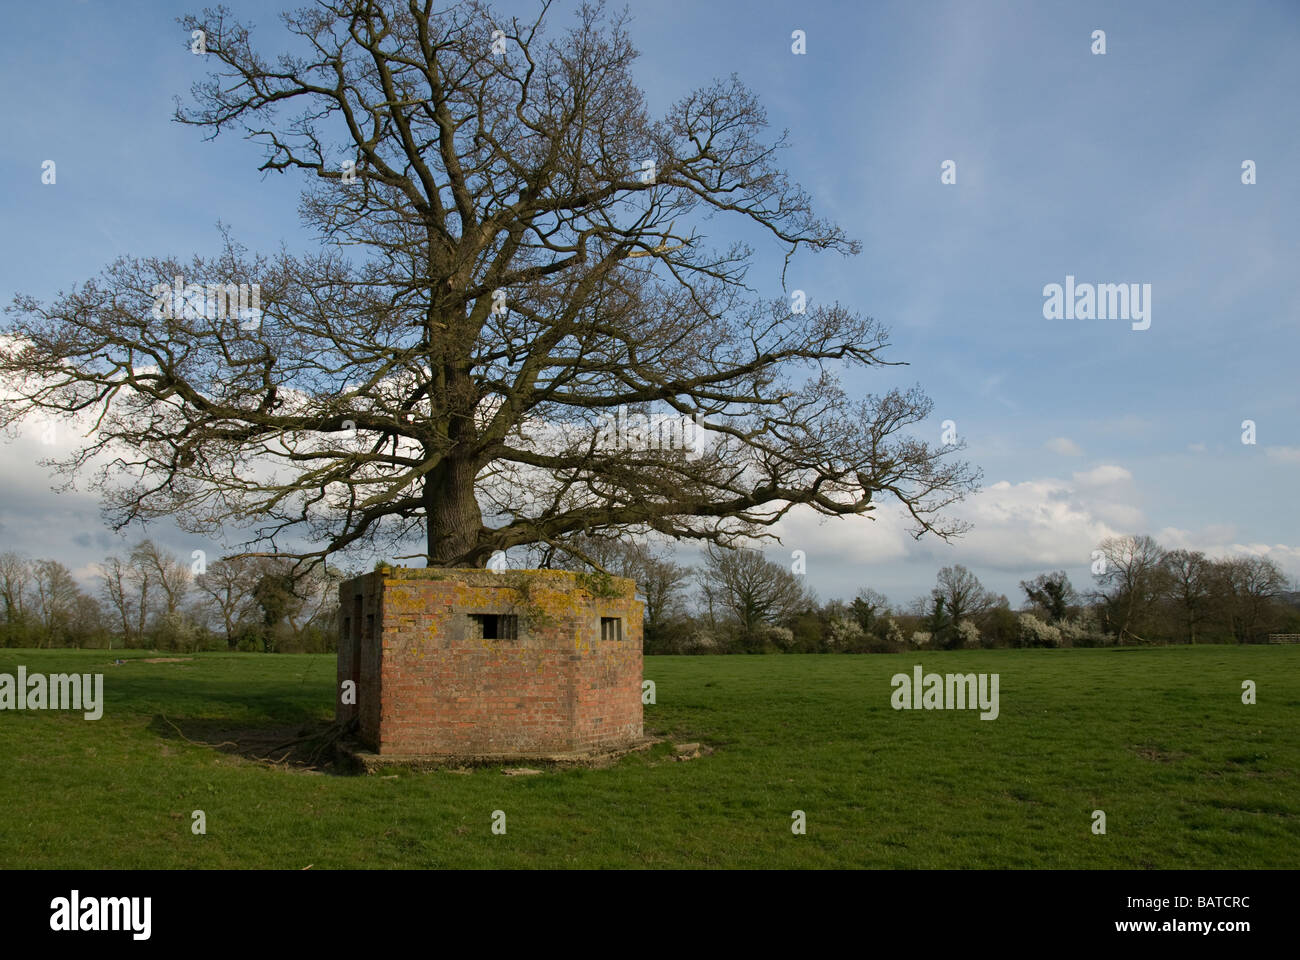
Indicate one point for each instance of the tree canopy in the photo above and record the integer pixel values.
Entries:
(511, 259)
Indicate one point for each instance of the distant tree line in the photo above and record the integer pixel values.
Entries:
(736, 601)
(741, 602)
(150, 598)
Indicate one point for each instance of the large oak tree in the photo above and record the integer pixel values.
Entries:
(511, 250)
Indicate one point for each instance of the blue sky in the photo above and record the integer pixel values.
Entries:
(1122, 168)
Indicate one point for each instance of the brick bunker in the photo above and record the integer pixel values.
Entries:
(475, 664)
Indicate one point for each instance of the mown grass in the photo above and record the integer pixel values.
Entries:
(1159, 739)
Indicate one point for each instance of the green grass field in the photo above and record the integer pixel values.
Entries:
(1159, 739)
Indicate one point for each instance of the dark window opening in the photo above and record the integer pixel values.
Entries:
(611, 628)
(494, 626)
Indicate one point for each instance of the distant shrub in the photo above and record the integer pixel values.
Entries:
(701, 640)
(1083, 631)
(843, 634)
(1001, 628)
(174, 631)
(1035, 633)
(968, 635)
(782, 638)
(894, 636)
(885, 638)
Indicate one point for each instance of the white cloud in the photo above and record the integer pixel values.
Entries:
(1031, 525)
(1283, 454)
(1219, 541)
(1174, 538)
(878, 537)
(1018, 529)
(1064, 446)
(1036, 523)
(1102, 476)
(88, 572)
(1286, 556)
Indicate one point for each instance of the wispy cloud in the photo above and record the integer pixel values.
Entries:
(1064, 446)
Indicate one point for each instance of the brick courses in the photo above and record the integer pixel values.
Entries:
(428, 684)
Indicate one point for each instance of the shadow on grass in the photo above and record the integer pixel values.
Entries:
(308, 746)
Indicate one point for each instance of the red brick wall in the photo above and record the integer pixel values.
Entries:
(429, 686)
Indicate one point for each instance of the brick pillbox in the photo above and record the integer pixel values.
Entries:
(475, 665)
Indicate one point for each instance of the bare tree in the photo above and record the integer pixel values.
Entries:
(15, 580)
(528, 264)
(117, 591)
(753, 590)
(957, 596)
(15, 588)
(920, 607)
(318, 591)
(57, 594)
(140, 575)
(1250, 586)
(151, 581)
(662, 583)
(1131, 580)
(167, 572)
(1053, 593)
(86, 622)
(1190, 579)
(227, 586)
(868, 607)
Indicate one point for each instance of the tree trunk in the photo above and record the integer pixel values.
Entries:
(452, 515)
